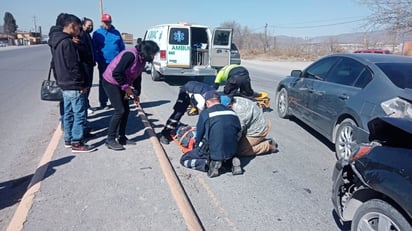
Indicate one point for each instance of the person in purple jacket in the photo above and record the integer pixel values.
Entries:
(118, 81)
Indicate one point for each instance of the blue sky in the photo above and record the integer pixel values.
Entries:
(300, 18)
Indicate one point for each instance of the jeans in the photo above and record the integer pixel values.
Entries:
(102, 94)
(74, 118)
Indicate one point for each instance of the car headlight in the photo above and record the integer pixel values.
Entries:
(398, 108)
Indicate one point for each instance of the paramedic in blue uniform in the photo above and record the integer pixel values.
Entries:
(190, 93)
(218, 131)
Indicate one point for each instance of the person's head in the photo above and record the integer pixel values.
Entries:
(60, 19)
(138, 41)
(212, 98)
(87, 25)
(72, 25)
(106, 21)
(147, 50)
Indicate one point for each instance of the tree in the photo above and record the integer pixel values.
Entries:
(10, 26)
(395, 15)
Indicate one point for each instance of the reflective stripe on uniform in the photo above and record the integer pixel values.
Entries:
(219, 113)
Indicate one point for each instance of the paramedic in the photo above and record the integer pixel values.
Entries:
(236, 77)
(217, 135)
(190, 93)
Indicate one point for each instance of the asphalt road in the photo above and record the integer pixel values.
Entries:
(107, 190)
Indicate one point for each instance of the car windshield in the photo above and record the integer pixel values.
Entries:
(399, 73)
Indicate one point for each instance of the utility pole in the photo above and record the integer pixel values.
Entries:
(101, 8)
(266, 38)
(35, 26)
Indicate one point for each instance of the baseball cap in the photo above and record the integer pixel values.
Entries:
(106, 18)
(211, 95)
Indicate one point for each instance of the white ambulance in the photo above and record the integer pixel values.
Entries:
(189, 50)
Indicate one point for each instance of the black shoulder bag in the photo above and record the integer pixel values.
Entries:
(49, 90)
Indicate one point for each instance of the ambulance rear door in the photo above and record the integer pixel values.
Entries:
(220, 47)
(179, 50)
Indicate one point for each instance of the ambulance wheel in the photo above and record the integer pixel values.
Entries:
(155, 74)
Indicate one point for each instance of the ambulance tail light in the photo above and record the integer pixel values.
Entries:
(163, 54)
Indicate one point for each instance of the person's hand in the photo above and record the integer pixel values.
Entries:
(76, 40)
(84, 90)
(129, 92)
(136, 101)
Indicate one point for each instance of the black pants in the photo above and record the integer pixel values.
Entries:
(102, 93)
(118, 122)
(238, 79)
(179, 109)
(195, 159)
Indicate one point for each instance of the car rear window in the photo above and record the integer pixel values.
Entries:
(399, 73)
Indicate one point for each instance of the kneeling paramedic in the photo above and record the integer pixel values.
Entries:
(218, 132)
(190, 93)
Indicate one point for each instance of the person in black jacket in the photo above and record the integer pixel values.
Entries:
(190, 93)
(218, 131)
(72, 79)
(58, 27)
(86, 51)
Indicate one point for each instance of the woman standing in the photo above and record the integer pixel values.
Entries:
(120, 77)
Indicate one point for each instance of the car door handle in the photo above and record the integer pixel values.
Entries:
(344, 97)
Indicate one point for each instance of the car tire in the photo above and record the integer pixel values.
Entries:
(155, 74)
(377, 212)
(345, 139)
(282, 103)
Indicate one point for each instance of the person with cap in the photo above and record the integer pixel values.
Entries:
(218, 131)
(118, 81)
(236, 78)
(254, 125)
(108, 43)
(189, 94)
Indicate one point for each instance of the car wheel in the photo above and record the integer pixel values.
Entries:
(282, 103)
(345, 139)
(378, 215)
(155, 75)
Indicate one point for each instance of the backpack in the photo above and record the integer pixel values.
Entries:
(185, 137)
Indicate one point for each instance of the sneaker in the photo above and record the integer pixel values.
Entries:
(82, 147)
(273, 145)
(214, 168)
(67, 144)
(114, 145)
(236, 168)
(124, 141)
(164, 140)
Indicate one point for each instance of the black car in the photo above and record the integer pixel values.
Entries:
(373, 189)
(339, 92)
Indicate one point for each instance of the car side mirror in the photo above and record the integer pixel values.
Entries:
(296, 73)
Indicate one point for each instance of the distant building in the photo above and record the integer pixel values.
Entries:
(127, 38)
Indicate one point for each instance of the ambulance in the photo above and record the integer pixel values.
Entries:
(189, 50)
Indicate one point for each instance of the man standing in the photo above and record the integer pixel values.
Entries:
(72, 79)
(236, 77)
(217, 134)
(108, 43)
